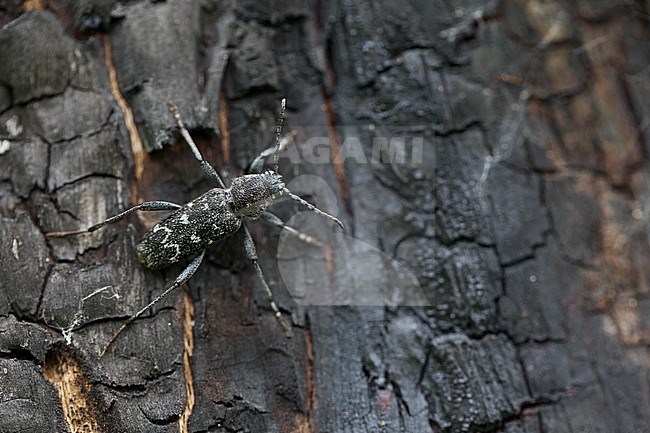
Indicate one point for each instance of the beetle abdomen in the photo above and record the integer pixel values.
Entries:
(190, 229)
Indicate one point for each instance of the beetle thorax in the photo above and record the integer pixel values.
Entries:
(253, 193)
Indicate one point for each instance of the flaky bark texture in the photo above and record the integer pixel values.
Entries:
(490, 161)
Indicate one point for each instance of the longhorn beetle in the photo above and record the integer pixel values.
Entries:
(218, 213)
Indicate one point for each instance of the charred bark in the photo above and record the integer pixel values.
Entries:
(490, 161)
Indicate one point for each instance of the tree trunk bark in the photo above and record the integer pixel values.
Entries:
(489, 160)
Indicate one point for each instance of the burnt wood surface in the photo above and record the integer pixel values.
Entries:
(493, 277)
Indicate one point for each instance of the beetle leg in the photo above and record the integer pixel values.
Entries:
(251, 252)
(258, 163)
(180, 280)
(275, 220)
(146, 206)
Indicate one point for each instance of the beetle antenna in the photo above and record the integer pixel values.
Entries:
(314, 208)
(278, 134)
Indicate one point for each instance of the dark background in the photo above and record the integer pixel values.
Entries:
(525, 222)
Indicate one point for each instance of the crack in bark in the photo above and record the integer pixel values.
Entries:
(337, 160)
(327, 86)
(188, 350)
(223, 127)
(65, 373)
(136, 142)
(311, 383)
(84, 177)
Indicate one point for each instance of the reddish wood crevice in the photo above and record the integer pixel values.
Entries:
(311, 385)
(223, 127)
(63, 371)
(188, 350)
(136, 142)
(336, 154)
